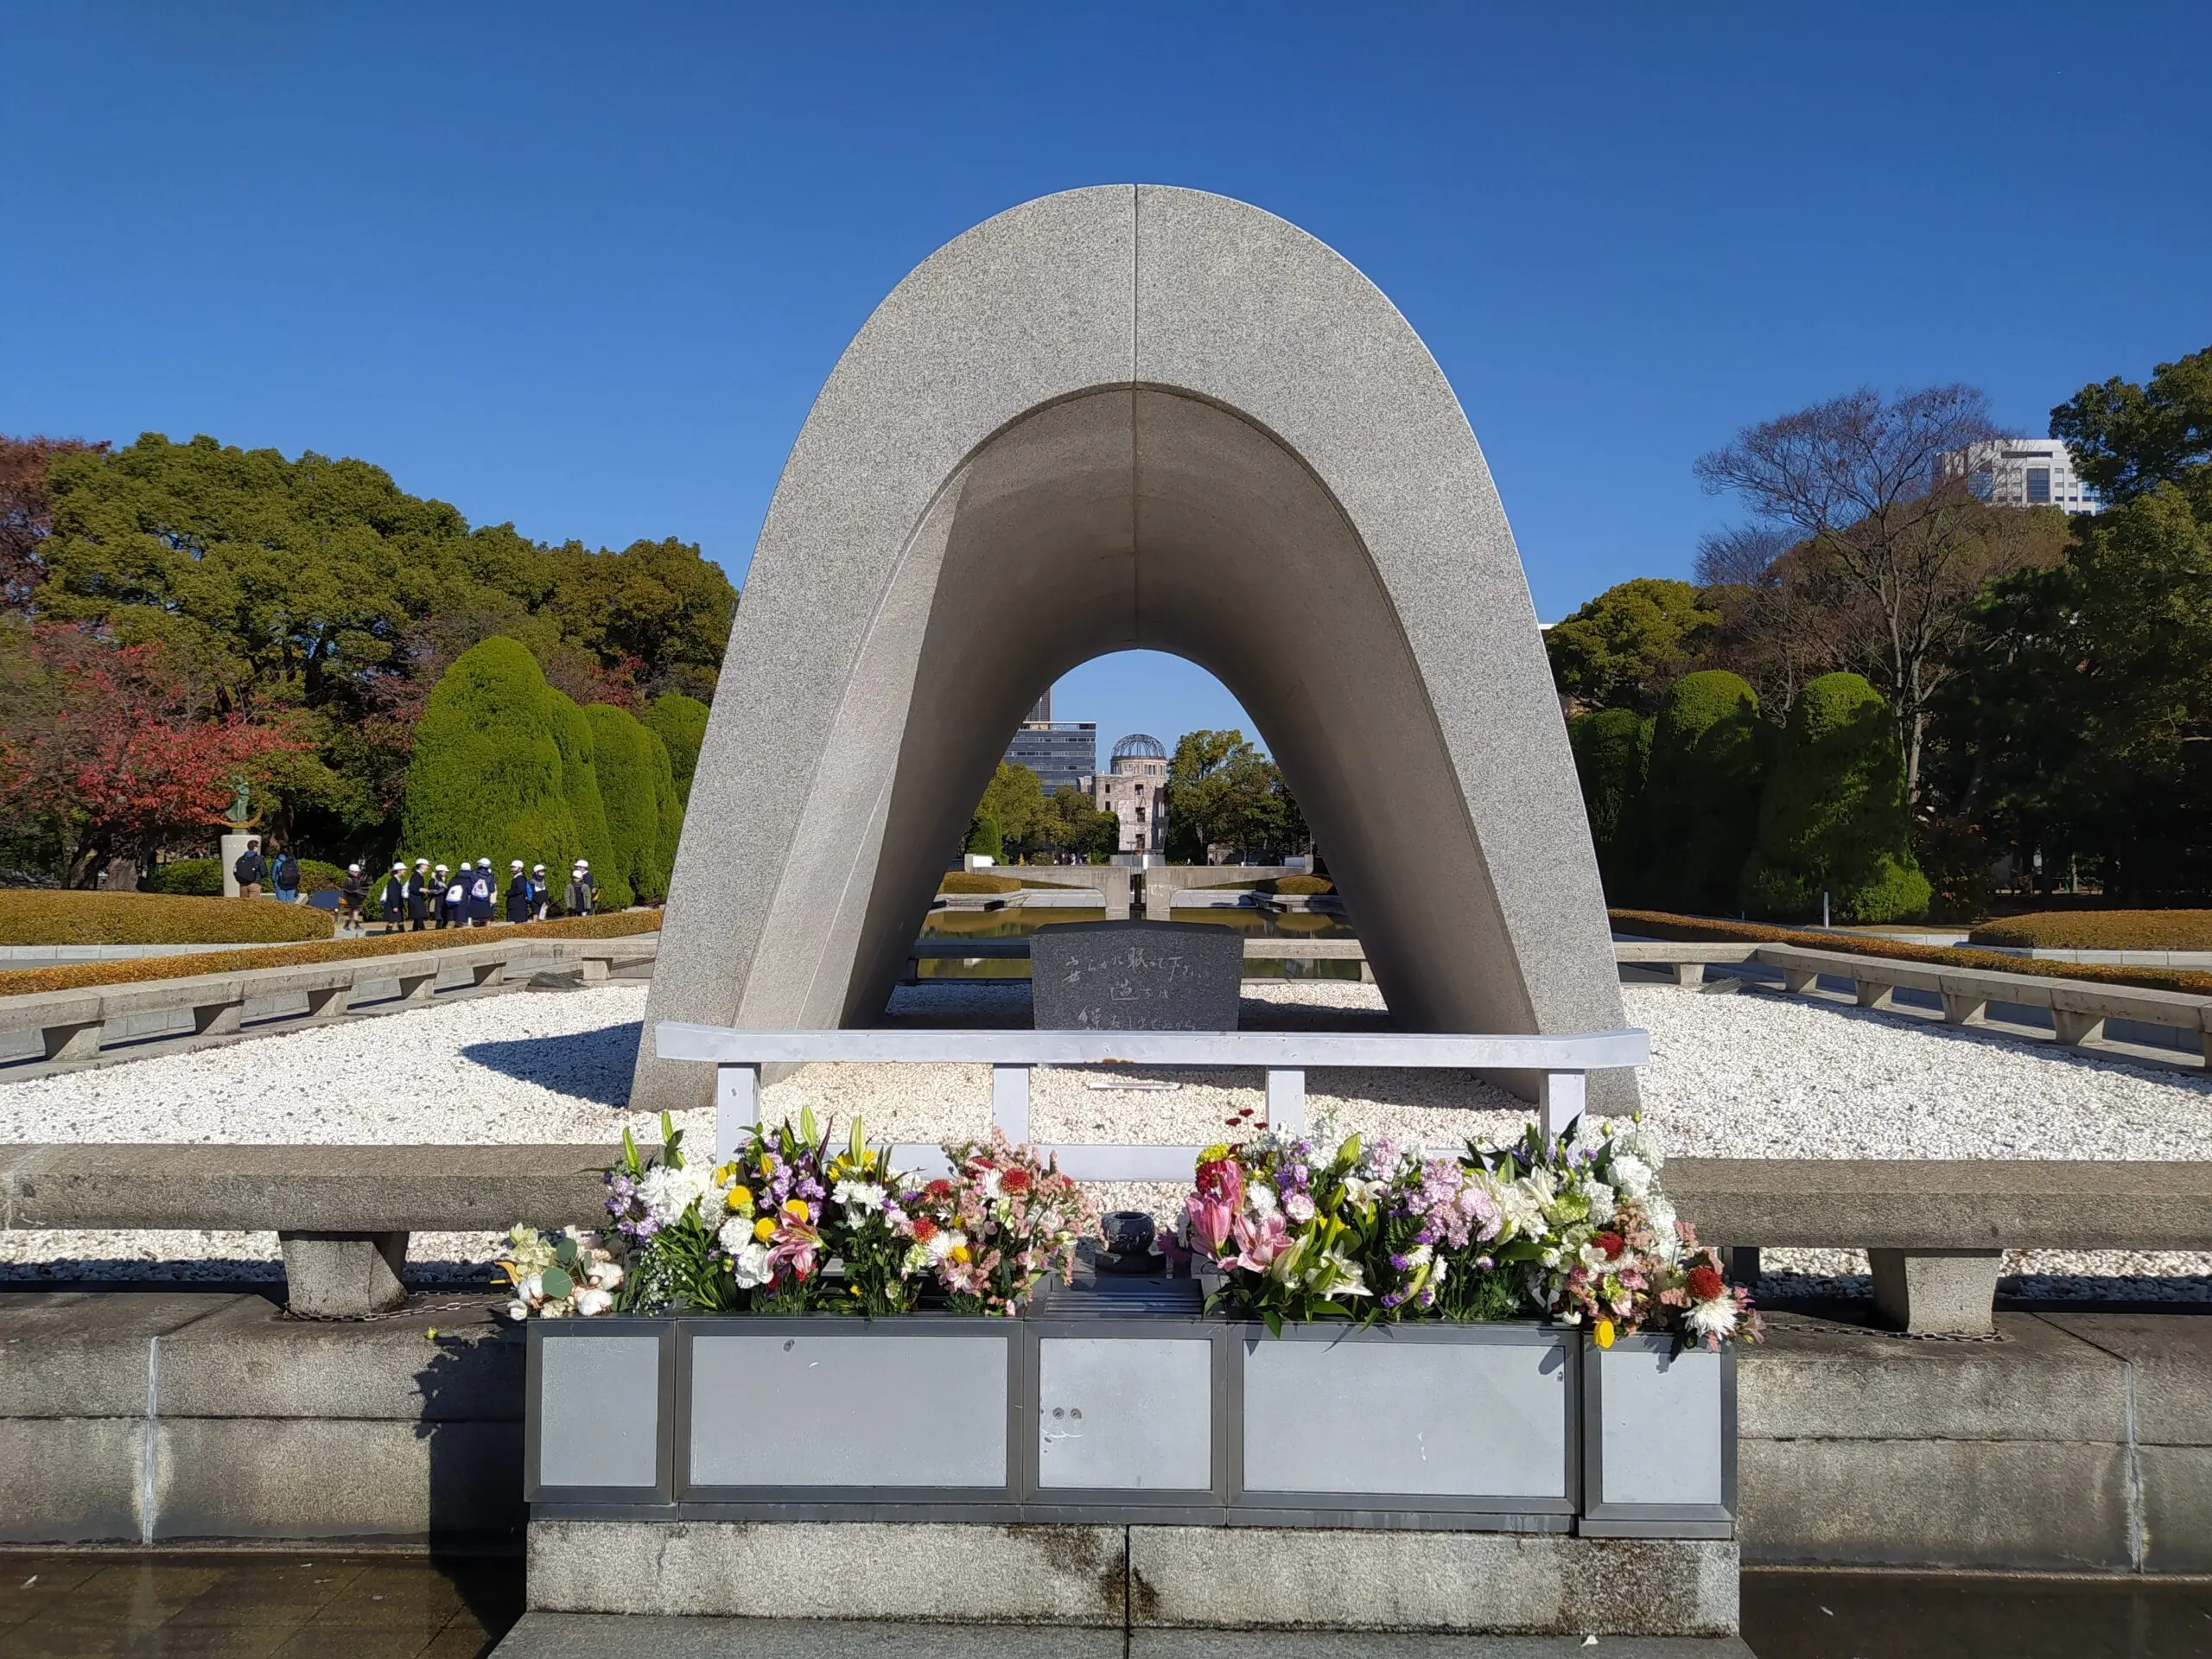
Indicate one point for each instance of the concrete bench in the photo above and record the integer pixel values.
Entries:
(342, 1213)
(74, 1025)
(1935, 1231)
(2079, 1008)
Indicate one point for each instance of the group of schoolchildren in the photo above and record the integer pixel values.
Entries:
(429, 895)
(434, 896)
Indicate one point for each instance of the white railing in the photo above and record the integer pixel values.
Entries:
(1562, 1064)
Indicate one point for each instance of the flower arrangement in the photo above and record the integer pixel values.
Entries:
(568, 1274)
(989, 1233)
(1575, 1229)
(791, 1225)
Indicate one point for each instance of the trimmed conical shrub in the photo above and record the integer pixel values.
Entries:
(625, 752)
(485, 778)
(668, 813)
(1710, 752)
(680, 723)
(580, 782)
(1612, 748)
(983, 839)
(1833, 819)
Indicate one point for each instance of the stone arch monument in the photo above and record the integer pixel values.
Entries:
(1134, 416)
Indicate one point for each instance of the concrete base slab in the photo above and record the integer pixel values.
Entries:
(610, 1635)
(1141, 1577)
(1247, 1578)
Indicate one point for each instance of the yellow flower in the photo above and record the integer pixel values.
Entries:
(1215, 1153)
(797, 1208)
(960, 1252)
(764, 1229)
(1605, 1333)
(740, 1198)
(726, 1171)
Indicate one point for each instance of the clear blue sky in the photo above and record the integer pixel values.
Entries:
(584, 268)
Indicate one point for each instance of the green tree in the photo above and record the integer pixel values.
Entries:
(629, 758)
(983, 839)
(658, 605)
(1626, 646)
(1222, 791)
(680, 723)
(1708, 761)
(668, 814)
(1613, 753)
(1832, 816)
(2128, 440)
(485, 778)
(572, 734)
(1014, 801)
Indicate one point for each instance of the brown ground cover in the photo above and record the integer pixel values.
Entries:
(2101, 929)
(48, 916)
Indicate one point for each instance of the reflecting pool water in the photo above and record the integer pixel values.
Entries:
(1016, 922)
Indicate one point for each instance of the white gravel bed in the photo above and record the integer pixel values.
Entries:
(1748, 1075)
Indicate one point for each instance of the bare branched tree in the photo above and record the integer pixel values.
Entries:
(1861, 486)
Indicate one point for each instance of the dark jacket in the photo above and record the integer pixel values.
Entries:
(356, 890)
(481, 889)
(286, 871)
(419, 896)
(393, 898)
(520, 896)
(249, 868)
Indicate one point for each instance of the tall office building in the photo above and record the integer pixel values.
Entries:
(1063, 753)
(2024, 473)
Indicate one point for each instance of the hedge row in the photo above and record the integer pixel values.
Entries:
(1661, 925)
(202, 878)
(42, 916)
(2102, 930)
(74, 977)
(976, 881)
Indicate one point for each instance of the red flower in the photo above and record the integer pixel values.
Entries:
(924, 1230)
(1705, 1284)
(1613, 1244)
(938, 1190)
(1014, 1180)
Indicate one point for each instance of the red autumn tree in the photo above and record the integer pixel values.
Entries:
(109, 751)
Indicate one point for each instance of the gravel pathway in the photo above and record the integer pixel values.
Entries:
(1745, 1075)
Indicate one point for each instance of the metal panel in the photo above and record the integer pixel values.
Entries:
(597, 1401)
(1387, 1414)
(1125, 1413)
(799, 1409)
(1660, 1433)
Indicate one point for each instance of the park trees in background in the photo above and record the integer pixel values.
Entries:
(1709, 756)
(1612, 759)
(110, 751)
(485, 780)
(1626, 646)
(1832, 818)
(635, 787)
(1223, 793)
(1017, 821)
(680, 723)
(2082, 718)
(1893, 532)
(318, 590)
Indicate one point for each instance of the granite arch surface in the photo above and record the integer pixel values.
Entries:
(1134, 416)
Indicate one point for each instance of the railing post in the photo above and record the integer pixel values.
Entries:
(1010, 1101)
(737, 1107)
(1560, 1101)
(1287, 1101)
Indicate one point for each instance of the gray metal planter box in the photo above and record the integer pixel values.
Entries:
(1659, 1439)
(1074, 1415)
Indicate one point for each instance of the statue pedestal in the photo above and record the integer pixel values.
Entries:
(232, 847)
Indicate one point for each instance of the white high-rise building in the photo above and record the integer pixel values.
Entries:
(2024, 473)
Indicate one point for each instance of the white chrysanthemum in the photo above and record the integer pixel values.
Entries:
(1640, 1141)
(1715, 1319)
(1601, 1200)
(736, 1234)
(1632, 1175)
(1661, 1214)
(750, 1263)
(667, 1192)
(864, 1195)
(592, 1303)
(944, 1242)
(1260, 1199)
